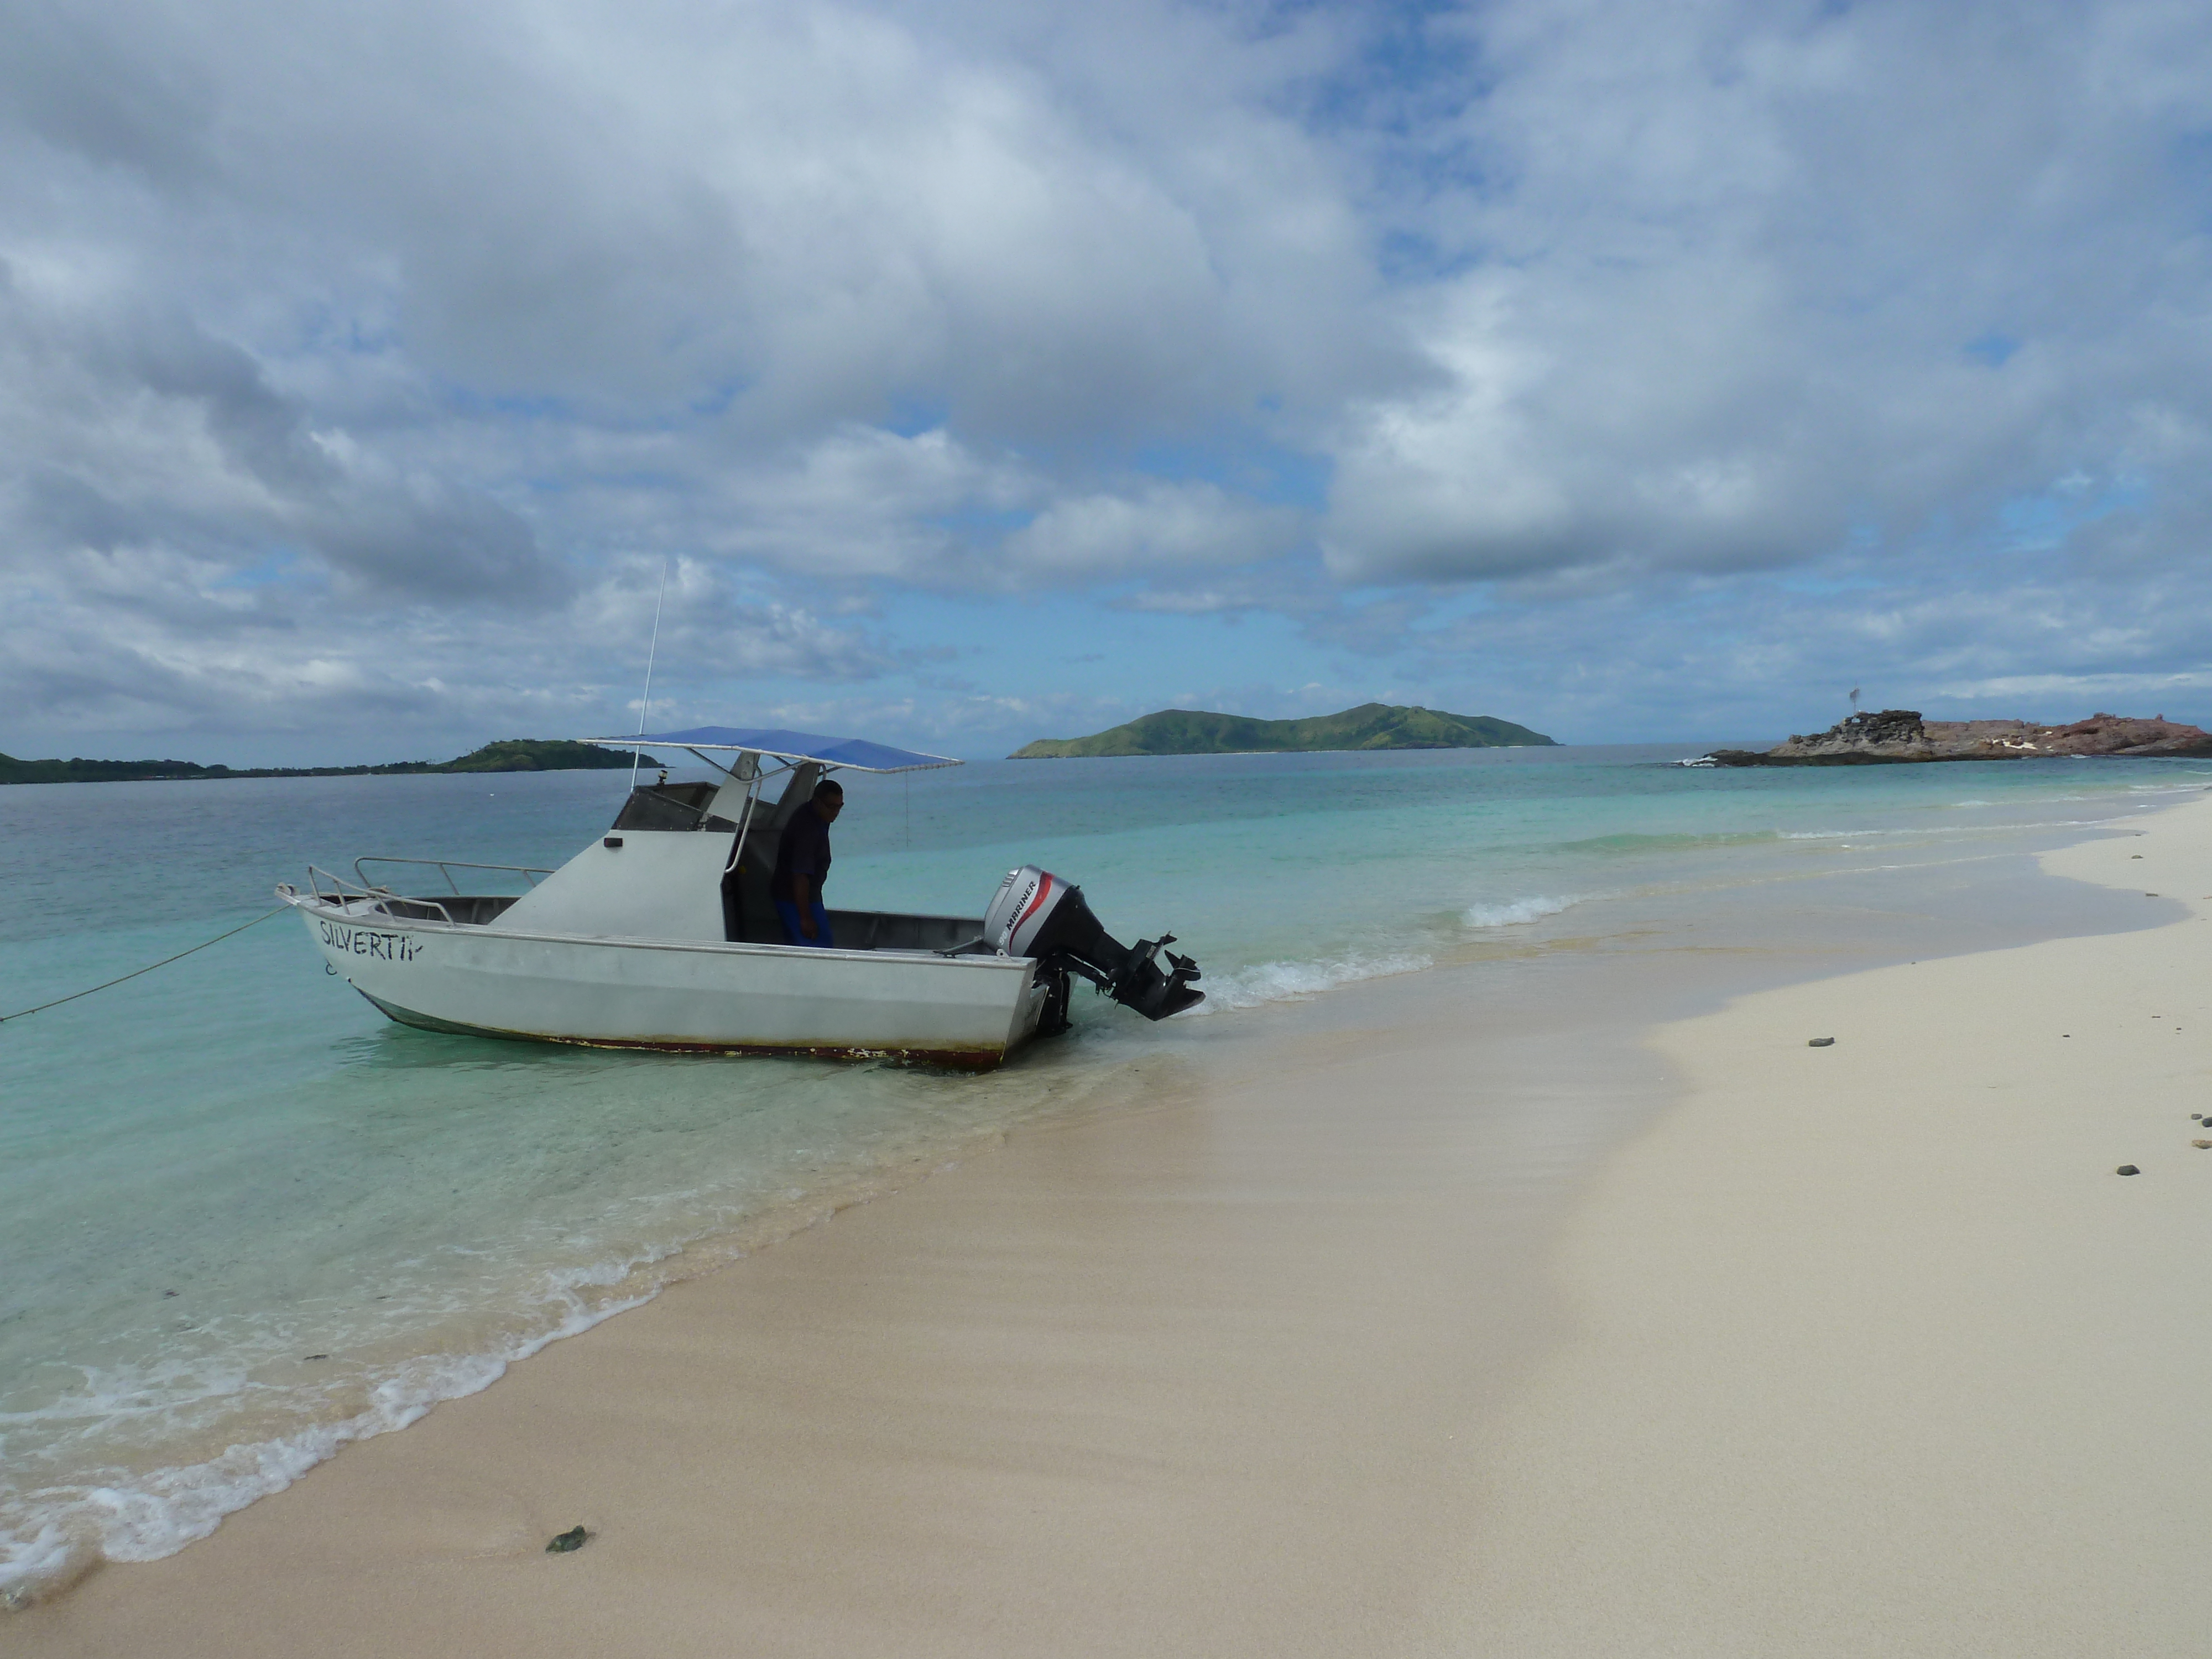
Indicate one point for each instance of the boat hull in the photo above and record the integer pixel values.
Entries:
(682, 995)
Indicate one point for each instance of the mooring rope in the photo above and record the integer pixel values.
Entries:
(147, 969)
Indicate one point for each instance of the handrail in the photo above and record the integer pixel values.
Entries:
(340, 887)
(343, 892)
(445, 867)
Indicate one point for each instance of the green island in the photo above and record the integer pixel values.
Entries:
(1371, 726)
(507, 755)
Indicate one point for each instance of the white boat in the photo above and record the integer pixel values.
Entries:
(662, 934)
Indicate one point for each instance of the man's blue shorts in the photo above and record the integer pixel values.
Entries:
(789, 912)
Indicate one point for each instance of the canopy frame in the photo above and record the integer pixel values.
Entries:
(794, 748)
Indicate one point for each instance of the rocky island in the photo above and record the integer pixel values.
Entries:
(1371, 726)
(1900, 735)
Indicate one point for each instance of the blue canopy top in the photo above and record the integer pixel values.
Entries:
(857, 753)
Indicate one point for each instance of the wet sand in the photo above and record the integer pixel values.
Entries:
(1431, 1326)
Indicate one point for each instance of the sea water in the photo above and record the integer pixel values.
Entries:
(244, 1219)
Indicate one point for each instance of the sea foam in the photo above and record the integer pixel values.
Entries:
(59, 1535)
(1515, 912)
(1292, 981)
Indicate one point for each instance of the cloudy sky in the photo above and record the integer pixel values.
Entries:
(990, 369)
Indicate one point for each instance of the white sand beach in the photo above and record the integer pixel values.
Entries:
(1843, 1351)
(1874, 1351)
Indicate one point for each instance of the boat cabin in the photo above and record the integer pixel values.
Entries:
(692, 860)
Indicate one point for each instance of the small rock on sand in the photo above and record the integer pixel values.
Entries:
(2124, 1168)
(2201, 1144)
(1820, 1042)
(562, 1543)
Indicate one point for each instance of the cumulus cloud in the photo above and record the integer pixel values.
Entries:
(1555, 320)
(1743, 281)
(127, 425)
(1160, 526)
(151, 642)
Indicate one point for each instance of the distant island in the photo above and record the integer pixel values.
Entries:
(1371, 726)
(507, 755)
(1899, 736)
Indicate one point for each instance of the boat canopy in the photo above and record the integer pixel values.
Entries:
(856, 754)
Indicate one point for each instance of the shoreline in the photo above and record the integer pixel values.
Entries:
(1321, 1252)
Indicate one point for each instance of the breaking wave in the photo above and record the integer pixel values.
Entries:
(1516, 911)
(51, 1537)
(1292, 981)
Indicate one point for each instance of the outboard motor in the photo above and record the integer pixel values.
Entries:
(1036, 914)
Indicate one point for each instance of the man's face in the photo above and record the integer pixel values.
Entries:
(828, 806)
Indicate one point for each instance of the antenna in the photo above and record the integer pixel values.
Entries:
(651, 652)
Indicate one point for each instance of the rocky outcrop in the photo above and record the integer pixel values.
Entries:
(1897, 735)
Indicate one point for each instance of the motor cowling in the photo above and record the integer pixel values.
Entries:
(1036, 914)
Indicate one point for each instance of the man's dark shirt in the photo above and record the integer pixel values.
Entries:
(803, 849)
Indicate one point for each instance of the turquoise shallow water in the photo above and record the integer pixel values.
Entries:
(246, 1219)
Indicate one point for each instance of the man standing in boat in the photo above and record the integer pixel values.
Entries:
(802, 865)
